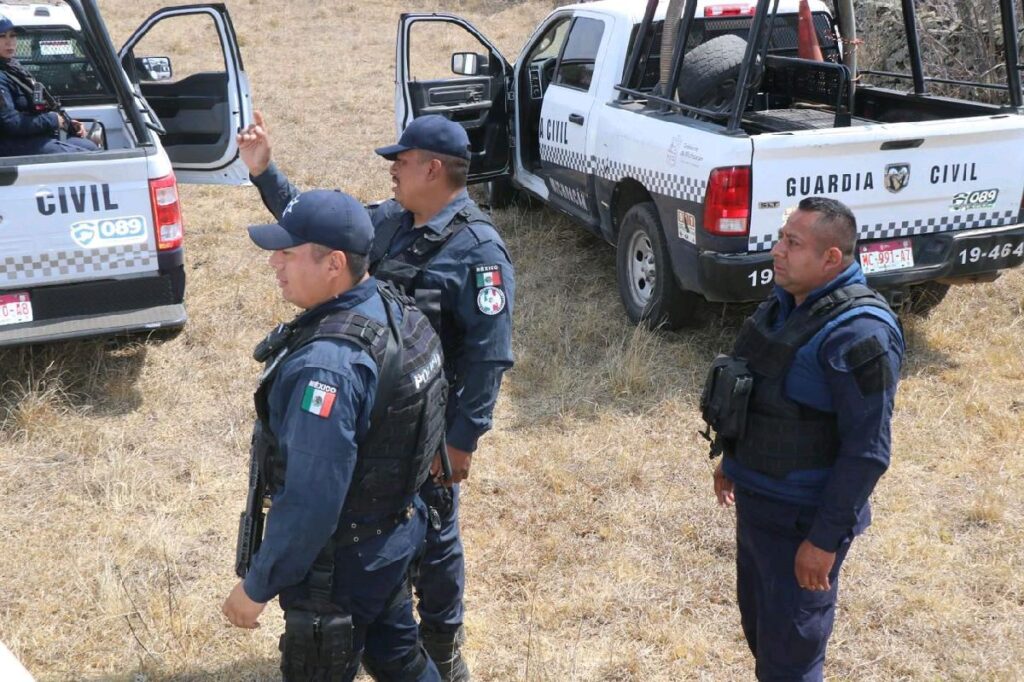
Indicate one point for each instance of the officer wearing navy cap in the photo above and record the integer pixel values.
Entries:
(24, 129)
(342, 470)
(802, 408)
(435, 243)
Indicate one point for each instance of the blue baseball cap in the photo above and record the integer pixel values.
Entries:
(433, 133)
(326, 217)
(5, 24)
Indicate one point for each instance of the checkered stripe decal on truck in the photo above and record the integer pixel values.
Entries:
(670, 184)
(909, 228)
(659, 182)
(566, 158)
(26, 269)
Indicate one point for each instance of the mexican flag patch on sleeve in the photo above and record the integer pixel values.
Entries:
(319, 398)
(488, 276)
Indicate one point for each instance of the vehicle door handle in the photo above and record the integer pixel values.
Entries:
(576, 118)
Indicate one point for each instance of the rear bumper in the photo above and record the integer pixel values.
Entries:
(150, 319)
(98, 308)
(956, 257)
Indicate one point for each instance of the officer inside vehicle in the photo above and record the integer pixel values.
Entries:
(344, 464)
(437, 245)
(801, 409)
(28, 122)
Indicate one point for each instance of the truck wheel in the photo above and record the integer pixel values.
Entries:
(924, 297)
(501, 193)
(710, 72)
(647, 286)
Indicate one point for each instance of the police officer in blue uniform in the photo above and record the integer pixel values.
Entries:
(801, 409)
(26, 124)
(350, 418)
(438, 246)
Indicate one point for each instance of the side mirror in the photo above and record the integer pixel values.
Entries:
(469, 63)
(154, 68)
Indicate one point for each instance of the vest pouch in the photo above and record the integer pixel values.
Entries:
(316, 646)
(398, 273)
(264, 451)
(429, 303)
(432, 430)
(726, 395)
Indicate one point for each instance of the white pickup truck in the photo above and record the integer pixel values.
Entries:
(92, 243)
(688, 153)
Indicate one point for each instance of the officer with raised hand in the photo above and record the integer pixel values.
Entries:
(801, 409)
(439, 247)
(27, 125)
(350, 414)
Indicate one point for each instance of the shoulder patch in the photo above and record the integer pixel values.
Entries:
(490, 289)
(490, 300)
(318, 398)
(870, 365)
(487, 276)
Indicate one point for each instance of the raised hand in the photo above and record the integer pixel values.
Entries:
(254, 145)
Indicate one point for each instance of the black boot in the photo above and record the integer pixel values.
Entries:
(445, 649)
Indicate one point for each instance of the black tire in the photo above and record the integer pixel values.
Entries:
(711, 71)
(924, 297)
(501, 193)
(647, 287)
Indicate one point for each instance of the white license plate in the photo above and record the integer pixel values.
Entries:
(15, 308)
(885, 256)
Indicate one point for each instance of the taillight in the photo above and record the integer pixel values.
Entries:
(163, 194)
(727, 204)
(730, 10)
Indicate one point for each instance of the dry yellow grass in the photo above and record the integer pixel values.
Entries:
(595, 551)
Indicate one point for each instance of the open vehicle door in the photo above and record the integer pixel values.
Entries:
(478, 97)
(199, 96)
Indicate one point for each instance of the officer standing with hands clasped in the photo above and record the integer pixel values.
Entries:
(801, 409)
(350, 414)
(438, 246)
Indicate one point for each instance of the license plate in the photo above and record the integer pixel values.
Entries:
(885, 256)
(15, 308)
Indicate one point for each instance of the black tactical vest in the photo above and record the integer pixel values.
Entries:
(779, 435)
(407, 423)
(405, 269)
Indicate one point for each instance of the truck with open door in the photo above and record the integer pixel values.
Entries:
(91, 243)
(685, 132)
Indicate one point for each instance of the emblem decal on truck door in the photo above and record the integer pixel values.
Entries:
(897, 176)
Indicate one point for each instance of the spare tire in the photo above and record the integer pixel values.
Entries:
(711, 71)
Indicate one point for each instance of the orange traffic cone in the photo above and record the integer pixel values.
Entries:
(807, 37)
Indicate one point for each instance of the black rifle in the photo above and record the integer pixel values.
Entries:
(44, 101)
(257, 502)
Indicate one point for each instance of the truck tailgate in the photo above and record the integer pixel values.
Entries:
(900, 179)
(76, 220)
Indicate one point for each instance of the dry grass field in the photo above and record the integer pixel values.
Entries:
(595, 551)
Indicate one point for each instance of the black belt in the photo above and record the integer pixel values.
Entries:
(353, 533)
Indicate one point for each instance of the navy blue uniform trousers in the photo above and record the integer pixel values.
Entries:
(439, 577)
(44, 144)
(786, 626)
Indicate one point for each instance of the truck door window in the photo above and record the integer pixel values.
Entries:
(192, 43)
(576, 68)
(432, 44)
(543, 55)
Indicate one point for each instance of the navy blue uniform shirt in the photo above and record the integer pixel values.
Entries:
(821, 377)
(482, 348)
(17, 116)
(319, 448)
